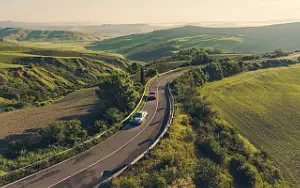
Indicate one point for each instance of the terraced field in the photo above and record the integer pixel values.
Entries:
(265, 107)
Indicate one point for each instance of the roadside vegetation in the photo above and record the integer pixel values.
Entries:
(201, 149)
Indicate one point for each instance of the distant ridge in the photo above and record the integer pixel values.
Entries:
(161, 43)
(44, 35)
(101, 30)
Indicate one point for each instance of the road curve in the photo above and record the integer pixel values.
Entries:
(85, 170)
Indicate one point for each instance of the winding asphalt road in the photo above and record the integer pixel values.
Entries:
(86, 169)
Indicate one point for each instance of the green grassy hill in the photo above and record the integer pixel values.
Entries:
(32, 76)
(158, 44)
(264, 106)
(45, 35)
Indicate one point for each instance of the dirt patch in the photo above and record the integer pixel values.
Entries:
(80, 105)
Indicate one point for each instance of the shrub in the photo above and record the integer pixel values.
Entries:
(113, 115)
(117, 91)
(99, 126)
(158, 181)
(201, 58)
(243, 173)
(9, 109)
(151, 72)
(125, 182)
(207, 174)
(68, 133)
(211, 149)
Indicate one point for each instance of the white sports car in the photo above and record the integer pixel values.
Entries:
(139, 117)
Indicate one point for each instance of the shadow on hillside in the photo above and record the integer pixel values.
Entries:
(94, 113)
(31, 135)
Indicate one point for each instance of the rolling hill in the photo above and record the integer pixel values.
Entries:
(264, 107)
(45, 35)
(36, 76)
(107, 30)
(161, 43)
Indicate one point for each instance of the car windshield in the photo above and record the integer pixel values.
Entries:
(139, 115)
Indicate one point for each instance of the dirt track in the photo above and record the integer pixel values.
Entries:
(78, 105)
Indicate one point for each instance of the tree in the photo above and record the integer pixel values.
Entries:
(158, 181)
(99, 126)
(201, 58)
(74, 132)
(113, 115)
(142, 75)
(125, 182)
(243, 173)
(53, 134)
(215, 71)
(134, 67)
(152, 72)
(117, 91)
(207, 174)
(279, 53)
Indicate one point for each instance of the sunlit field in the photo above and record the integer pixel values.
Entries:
(265, 107)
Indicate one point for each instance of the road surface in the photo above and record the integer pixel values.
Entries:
(85, 170)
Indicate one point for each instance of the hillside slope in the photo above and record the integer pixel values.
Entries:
(101, 30)
(264, 106)
(44, 35)
(31, 76)
(157, 44)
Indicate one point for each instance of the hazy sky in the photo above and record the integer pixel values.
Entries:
(150, 11)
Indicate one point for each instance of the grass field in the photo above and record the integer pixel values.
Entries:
(265, 108)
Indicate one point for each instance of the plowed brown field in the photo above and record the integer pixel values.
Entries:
(80, 105)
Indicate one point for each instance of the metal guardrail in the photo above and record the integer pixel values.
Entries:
(169, 122)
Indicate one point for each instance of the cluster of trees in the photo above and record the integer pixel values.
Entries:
(278, 63)
(201, 58)
(190, 54)
(276, 53)
(65, 134)
(133, 68)
(226, 68)
(118, 95)
(219, 70)
(250, 57)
